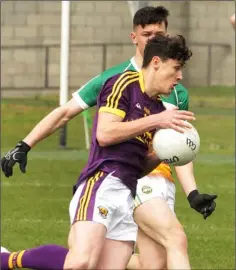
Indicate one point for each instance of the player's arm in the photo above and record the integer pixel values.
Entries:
(111, 129)
(113, 108)
(185, 173)
(49, 124)
(202, 203)
(83, 98)
(186, 177)
(54, 120)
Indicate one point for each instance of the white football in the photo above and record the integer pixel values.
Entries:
(176, 148)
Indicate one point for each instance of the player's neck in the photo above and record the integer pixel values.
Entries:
(148, 79)
(138, 60)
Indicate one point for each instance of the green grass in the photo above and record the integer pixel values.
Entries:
(35, 205)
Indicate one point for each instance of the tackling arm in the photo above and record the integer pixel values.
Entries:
(54, 120)
(186, 177)
(202, 203)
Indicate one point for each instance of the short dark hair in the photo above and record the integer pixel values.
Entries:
(166, 47)
(151, 15)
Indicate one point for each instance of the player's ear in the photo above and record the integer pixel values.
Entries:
(156, 61)
(133, 37)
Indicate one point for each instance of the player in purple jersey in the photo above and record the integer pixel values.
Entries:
(102, 206)
(130, 102)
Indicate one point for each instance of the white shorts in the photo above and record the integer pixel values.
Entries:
(106, 200)
(152, 186)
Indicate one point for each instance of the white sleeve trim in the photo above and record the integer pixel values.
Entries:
(79, 100)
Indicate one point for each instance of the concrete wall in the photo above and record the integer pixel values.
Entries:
(30, 36)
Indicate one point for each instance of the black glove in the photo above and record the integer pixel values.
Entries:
(202, 203)
(18, 154)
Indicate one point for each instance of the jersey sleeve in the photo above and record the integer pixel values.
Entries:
(87, 95)
(183, 97)
(113, 98)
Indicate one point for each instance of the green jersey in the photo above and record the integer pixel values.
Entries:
(86, 96)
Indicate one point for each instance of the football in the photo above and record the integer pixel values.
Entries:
(176, 148)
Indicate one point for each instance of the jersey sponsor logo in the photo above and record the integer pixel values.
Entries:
(103, 212)
(145, 138)
(146, 189)
(191, 144)
(147, 111)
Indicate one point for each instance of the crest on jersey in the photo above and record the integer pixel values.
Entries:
(103, 211)
(146, 189)
(138, 106)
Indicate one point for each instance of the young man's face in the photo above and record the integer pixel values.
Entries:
(141, 35)
(167, 74)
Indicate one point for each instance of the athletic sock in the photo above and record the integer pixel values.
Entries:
(48, 257)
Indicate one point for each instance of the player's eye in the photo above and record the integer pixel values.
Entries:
(177, 68)
(146, 34)
(160, 33)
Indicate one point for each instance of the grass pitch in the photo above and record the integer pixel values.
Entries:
(34, 206)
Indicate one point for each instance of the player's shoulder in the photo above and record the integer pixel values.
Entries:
(126, 77)
(117, 69)
(181, 89)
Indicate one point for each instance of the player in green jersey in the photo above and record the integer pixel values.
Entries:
(86, 97)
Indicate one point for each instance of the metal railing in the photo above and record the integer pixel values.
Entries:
(104, 48)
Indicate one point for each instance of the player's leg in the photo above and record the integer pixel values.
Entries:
(155, 216)
(151, 255)
(88, 232)
(47, 257)
(82, 254)
(121, 234)
(87, 240)
(115, 254)
(134, 262)
(52, 257)
(156, 219)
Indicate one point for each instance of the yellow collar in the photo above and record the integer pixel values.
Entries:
(141, 81)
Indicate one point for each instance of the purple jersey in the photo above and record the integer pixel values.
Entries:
(123, 95)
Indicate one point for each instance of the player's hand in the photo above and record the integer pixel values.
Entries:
(18, 154)
(175, 119)
(202, 203)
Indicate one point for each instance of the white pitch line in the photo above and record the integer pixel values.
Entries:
(6, 183)
(26, 220)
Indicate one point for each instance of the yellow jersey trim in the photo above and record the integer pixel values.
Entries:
(113, 111)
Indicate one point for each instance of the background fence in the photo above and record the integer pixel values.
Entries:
(30, 57)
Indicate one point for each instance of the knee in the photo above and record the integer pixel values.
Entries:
(177, 239)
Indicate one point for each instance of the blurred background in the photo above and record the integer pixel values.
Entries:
(34, 206)
(99, 38)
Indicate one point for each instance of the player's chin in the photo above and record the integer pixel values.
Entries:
(168, 91)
